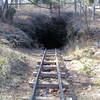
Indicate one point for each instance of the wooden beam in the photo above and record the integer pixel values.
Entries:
(46, 98)
(50, 67)
(48, 85)
(48, 63)
(49, 74)
(50, 58)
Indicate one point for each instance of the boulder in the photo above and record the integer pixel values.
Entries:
(14, 37)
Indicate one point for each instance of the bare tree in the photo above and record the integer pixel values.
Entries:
(7, 10)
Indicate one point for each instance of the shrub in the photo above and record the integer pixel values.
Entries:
(91, 1)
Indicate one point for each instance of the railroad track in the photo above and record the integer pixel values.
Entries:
(50, 83)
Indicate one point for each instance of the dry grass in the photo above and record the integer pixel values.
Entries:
(16, 66)
(84, 66)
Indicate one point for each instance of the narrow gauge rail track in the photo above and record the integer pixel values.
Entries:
(48, 64)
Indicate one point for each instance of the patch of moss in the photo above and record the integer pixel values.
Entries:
(86, 69)
(2, 65)
(97, 83)
(2, 61)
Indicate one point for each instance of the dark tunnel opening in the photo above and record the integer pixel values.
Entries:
(50, 41)
(52, 34)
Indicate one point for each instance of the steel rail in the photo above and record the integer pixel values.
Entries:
(37, 77)
(62, 97)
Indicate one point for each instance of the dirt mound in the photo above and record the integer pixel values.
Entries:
(13, 37)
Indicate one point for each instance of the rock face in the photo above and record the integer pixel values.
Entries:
(49, 31)
(13, 37)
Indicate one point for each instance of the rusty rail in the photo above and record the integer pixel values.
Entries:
(62, 97)
(37, 77)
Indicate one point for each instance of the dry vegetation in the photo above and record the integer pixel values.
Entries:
(16, 66)
(84, 65)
